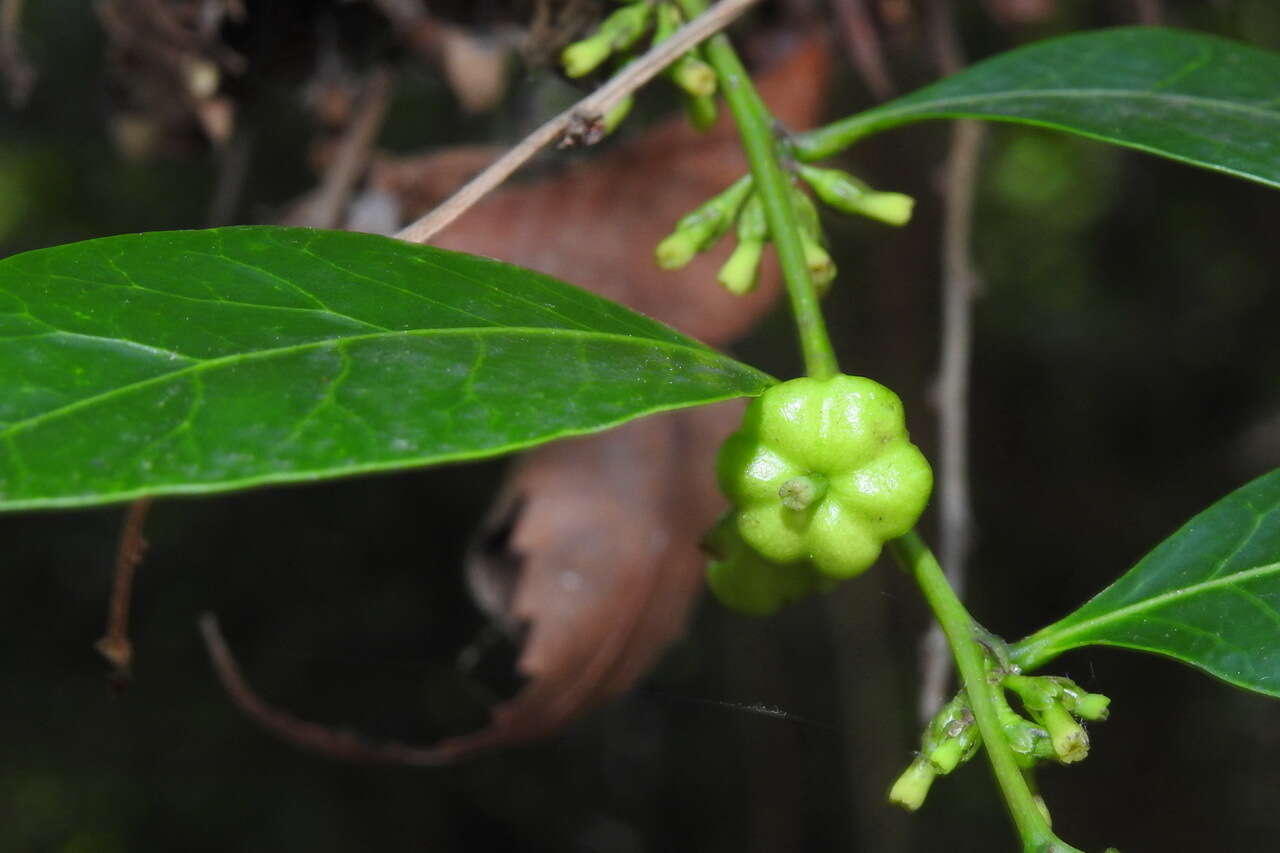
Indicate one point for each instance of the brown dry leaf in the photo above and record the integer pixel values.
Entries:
(592, 549)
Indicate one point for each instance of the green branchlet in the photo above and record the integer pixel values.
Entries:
(697, 230)
(847, 194)
(951, 738)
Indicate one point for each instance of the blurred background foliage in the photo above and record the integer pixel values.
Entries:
(1125, 377)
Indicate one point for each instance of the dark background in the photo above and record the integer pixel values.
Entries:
(1124, 378)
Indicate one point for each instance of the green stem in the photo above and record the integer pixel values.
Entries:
(756, 128)
(960, 630)
(823, 142)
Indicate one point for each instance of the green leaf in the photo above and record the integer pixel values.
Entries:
(201, 361)
(1188, 96)
(1209, 596)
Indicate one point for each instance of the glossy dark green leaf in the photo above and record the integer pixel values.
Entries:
(1209, 595)
(1189, 96)
(199, 361)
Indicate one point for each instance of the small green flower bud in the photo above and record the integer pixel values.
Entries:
(703, 226)
(752, 223)
(847, 194)
(1093, 706)
(822, 270)
(889, 208)
(952, 736)
(693, 75)
(625, 26)
(689, 72)
(1043, 699)
(678, 248)
(701, 111)
(666, 20)
(617, 113)
(1070, 740)
(582, 57)
(806, 212)
(619, 31)
(1087, 706)
(1029, 743)
(741, 272)
(913, 785)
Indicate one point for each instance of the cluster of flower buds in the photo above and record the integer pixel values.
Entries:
(698, 230)
(740, 204)
(621, 32)
(1055, 706)
(950, 739)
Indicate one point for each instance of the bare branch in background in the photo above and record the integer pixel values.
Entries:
(1149, 12)
(859, 32)
(115, 645)
(332, 742)
(19, 75)
(325, 207)
(959, 288)
(234, 159)
(589, 111)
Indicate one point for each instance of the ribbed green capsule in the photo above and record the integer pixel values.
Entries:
(744, 581)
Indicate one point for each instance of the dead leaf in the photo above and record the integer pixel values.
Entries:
(591, 553)
(592, 550)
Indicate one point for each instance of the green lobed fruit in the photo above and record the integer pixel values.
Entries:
(744, 581)
(823, 470)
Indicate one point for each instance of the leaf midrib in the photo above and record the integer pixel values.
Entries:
(875, 117)
(200, 366)
(1056, 640)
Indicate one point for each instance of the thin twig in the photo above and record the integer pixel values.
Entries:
(325, 206)
(1149, 12)
(959, 288)
(19, 76)
(115, 645)
(234, 160)
(860, 35)
(586, 113)
(334, 743)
